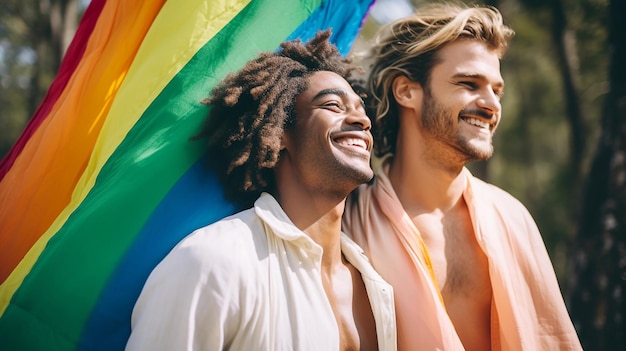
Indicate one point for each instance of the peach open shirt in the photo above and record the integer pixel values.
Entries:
(528, 310)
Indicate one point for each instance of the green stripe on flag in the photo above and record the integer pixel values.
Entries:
(72, 271)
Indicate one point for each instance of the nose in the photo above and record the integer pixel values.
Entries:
(490, 101)
(359, 117)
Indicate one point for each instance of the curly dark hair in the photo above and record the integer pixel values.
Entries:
(251, 109)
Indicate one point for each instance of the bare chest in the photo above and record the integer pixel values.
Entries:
(348, 298)
(460, 264)
(462, 272)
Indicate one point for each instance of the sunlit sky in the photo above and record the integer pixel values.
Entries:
(385, 11)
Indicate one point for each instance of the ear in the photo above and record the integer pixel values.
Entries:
(284, 140)
(407, 92)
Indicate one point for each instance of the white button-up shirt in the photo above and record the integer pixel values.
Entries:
(251, 281)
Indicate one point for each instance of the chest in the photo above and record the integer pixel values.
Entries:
(459, 263)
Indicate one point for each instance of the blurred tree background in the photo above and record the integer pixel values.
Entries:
(34, 35)
(560, 147)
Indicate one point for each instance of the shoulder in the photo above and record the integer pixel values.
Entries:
(508, 217)
(227, 231)
(195, 291)
(224, 246)
(498, 196)
(510, 209)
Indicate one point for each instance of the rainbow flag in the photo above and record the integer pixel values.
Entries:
(104, 180)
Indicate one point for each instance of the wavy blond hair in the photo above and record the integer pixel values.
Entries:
(409, 47)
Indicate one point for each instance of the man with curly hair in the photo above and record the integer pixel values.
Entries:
(288, 131)
(467, 263)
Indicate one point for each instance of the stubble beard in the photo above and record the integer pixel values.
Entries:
(345, 174)
(439, 123)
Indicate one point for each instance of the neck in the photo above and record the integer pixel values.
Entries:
(425, 182)
(320, 218)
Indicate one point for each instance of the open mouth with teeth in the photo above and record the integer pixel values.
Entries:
(352, 142)
(476, 122)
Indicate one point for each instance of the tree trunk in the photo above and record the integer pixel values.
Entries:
(54, 28)
(567, 60)
(597, 306)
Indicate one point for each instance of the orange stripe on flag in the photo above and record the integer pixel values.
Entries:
(40, 183)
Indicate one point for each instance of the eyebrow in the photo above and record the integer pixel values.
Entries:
(334, 91)
(478, 76)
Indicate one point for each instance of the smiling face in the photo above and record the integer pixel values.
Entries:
(461, 105)
(329, 146)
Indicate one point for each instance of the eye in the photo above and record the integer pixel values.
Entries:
(469, 84)
(334, 106)
(499, 93)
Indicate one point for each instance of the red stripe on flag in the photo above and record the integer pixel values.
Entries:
(72, 57)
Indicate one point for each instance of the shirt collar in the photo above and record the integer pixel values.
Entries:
(270, 211)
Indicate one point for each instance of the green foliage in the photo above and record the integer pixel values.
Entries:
(16, 70)
(532, 158)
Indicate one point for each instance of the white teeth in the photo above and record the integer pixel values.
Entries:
(477, 122)
(352, 142)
